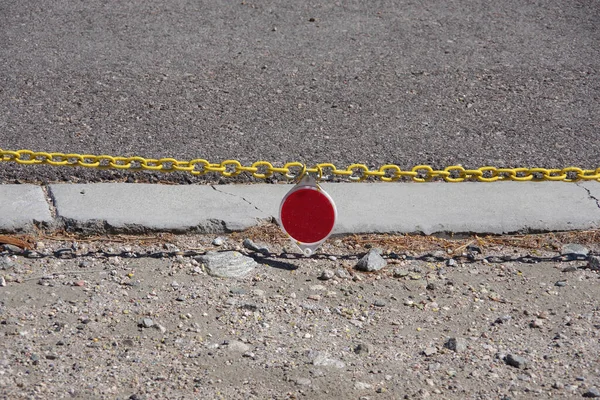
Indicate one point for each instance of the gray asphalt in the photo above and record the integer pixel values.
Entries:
(505, 83)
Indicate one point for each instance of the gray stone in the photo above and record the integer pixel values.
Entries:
(218, 241)
(147, 323)
(560, 283)
(238, 291)
(400, 273)
(434, 367)
(229, 264)
(372, 261)
(302, 381)
(558, 385)
(322, 359)
(536, 323)
(13, 248)
(250, 245)
(363, 348)
(326, 275)
(457, 344)
(379, 303)
(342, 274)
(516, 361)
(377, 250)
(6, 263)
(594, 263)
(570, 268)
(362, 385)
(592, 392)
(2, 281)
(451, 262)
(238, 347)
(429, 351)
(575, 249)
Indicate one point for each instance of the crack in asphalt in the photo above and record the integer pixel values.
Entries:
(589, 193)
(234, 195)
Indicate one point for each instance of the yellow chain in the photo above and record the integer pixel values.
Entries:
(291, 170)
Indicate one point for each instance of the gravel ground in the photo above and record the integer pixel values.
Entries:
(130, 318)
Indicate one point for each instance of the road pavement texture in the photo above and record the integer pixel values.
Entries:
(152, 317)
(507, 83)
(429, 208)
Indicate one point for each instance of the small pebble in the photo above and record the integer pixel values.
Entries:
(13, 249)
(250, 245)
(400, 273)
(561, 283)
(592, 392)
(457, 344)
(574, 249)
(238, 347)
(543, 315)
(594, 263)
(147, 323)
(218, 241)
(302, 381)
(536, 323)
(558, 385)
(363, 348)
(379, 303)
(372, 261)
(342, 274)
(362, 385)
(515, 361)
(429, 351)
(326, 275)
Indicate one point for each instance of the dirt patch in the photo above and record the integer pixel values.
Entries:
(133, 317)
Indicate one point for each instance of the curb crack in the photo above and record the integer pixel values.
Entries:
(234, 195)
(589, 193)
(51, 201)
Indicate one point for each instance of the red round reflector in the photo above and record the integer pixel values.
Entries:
(308, 215)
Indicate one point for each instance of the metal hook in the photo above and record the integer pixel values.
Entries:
(301, 174)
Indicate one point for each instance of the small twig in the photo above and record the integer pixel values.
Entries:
(15, 242)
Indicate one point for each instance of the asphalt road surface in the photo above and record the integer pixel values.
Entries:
(505, 83)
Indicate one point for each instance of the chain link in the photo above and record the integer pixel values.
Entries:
(293, 170)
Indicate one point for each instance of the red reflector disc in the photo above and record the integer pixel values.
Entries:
(307, 215)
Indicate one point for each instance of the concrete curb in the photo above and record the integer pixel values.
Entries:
(429, 208)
